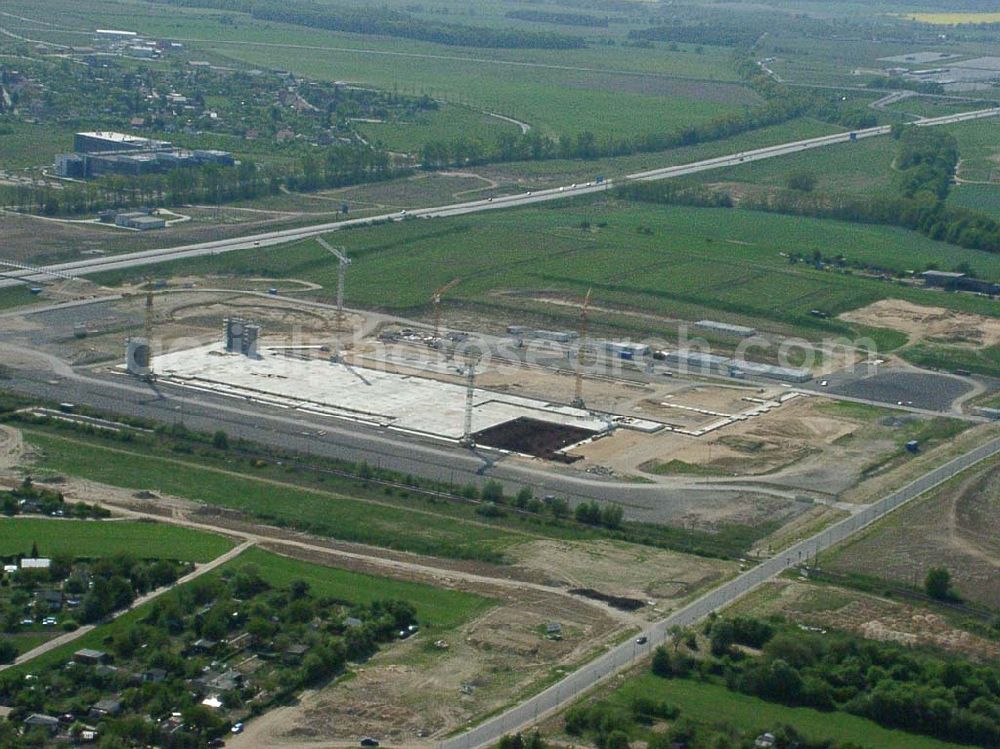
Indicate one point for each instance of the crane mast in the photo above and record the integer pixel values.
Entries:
(578, 388)
(436, 300)
(470, 389)
(147, 331)
(343, 261)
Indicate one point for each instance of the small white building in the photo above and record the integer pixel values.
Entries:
(35, 564)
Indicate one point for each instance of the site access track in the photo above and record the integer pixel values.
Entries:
(627, 654)
(168, 254)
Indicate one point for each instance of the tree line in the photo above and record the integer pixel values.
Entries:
(387, 22)
(894, 686)
(925, 161)
(211, 184)
(564, 19)
(781, 105)
(533, 146)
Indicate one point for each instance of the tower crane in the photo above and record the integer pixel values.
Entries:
(578, 389)
(147, 332)
(436, 299)
(470, 389)
(343, 262)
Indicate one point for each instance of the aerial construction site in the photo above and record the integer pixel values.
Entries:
(557, 400)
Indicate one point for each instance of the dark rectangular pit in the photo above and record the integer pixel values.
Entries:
(543, 439)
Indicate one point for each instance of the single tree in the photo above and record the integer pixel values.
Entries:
(938, 583)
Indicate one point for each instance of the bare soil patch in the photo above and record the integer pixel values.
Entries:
(11, 448)
(933, 324)
(424, 688)
(869, 616)
(958, 527)
(624, 570)
(799, 444)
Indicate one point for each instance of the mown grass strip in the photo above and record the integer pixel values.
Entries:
(324, 513)
(101, 538)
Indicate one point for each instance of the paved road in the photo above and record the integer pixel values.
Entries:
(332, 438)
(81, 631)
(622, 656)
(167, 254)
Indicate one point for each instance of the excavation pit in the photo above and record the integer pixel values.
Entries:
(542, 439)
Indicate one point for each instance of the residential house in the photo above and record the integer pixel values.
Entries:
(39, 720)
(90, 656)
(105, 708)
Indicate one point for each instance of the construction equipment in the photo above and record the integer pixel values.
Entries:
(581, 342)
(343, 261)
(470, 389)
(436, 299)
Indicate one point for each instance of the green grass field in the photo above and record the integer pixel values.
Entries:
(979, 150)
(667, 260)
(558, 91)
(715, 705)
(25, 641)
(552, 100)
(16, 296)
(922, 106)
(561, 172)
(448, 123)
(444, 609)
(985, 198)
(90, 538)
(23, 145)
(938, 356)
(863, 167)
(326, 513)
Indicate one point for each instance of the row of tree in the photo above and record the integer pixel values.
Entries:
(894, 686)
(781, 105)
(925, 161)
(213, 184)
(563, 19)
(533, 146)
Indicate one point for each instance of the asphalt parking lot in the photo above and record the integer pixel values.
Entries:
(918, 389)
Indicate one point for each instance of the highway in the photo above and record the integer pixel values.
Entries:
(94, 265)
(293, 431)
(618, 658)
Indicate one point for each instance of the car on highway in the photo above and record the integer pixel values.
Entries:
(368, 741)
(237, 728)
(642, 640)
